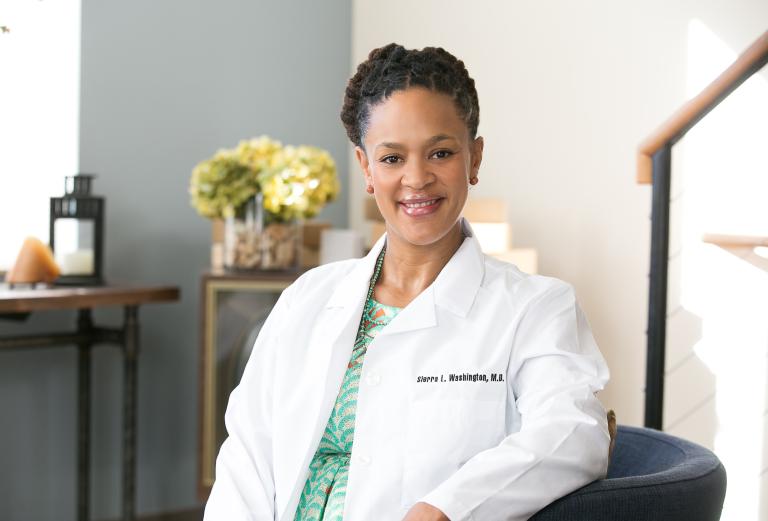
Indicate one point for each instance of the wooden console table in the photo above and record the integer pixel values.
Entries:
(85, 336)
(233, 307)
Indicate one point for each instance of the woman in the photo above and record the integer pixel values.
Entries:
(425, 381)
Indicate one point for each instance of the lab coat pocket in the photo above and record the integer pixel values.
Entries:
(442, 434)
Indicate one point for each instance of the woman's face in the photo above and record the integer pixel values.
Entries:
(419, 158)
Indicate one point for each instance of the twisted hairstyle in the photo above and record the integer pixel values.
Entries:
(392, 68)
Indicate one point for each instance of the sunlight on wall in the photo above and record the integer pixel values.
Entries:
(39, 103)
(723, 185)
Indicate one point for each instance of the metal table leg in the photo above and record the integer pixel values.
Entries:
(131, 351)
(84, 325)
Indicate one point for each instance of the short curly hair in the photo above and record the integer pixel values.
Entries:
(392, 68)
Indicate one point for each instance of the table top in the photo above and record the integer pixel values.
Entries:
(24, 300)
(254, 275)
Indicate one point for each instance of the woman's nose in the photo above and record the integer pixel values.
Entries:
(416, 174)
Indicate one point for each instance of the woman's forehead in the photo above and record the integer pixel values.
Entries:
(414, 115)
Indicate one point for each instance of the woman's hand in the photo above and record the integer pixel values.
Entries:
(425, 512)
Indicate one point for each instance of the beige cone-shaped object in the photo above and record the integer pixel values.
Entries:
(33, 264)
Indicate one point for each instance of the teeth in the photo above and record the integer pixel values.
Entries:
(420, 205)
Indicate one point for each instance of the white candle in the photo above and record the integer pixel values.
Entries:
(78, 262)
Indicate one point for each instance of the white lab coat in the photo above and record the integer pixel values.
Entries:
(498, 446)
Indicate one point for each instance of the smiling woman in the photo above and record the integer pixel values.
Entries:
(426, 381)
(420, 181)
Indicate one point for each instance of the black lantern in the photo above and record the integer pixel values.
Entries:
(77, 232)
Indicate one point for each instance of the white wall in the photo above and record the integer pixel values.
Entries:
(567, 91)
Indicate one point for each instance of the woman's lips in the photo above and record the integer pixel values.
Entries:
(420, 207)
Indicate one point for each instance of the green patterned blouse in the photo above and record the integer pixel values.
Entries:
(326, 485)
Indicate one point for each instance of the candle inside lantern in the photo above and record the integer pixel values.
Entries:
(78, 262)
(33, 264)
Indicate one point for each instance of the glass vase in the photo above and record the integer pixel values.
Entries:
(255, 241)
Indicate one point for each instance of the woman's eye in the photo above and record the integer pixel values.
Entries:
(390, 160)
(442, 154)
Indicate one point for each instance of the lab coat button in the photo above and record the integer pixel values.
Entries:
(373, 379)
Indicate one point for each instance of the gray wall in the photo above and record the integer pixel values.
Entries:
(164, 84)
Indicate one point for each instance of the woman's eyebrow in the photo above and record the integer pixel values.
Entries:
(438, 138)
(434, 139)
(388, 144)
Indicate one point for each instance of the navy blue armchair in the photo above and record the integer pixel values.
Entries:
(652, 476)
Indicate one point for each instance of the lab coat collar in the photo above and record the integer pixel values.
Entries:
(459, 281)
(454, 289)
(355, 284)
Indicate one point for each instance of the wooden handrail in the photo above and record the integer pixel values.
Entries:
(735, 241)
(696, 108)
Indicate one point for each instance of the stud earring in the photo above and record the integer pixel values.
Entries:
(473, 180)
(369, 189)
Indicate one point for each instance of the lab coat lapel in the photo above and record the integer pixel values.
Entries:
(418, 314)
(459, 281)
(454, 289)
(328, 358)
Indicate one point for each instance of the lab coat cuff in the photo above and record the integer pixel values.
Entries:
(449, 505)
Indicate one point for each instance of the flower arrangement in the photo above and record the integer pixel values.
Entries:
(296, 182)
(304, 180)
(291, 182)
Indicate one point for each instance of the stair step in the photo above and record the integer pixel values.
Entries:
(735, 241)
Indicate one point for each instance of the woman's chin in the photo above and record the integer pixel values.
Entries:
(424, 233)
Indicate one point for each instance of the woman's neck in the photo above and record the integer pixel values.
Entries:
(409, 269)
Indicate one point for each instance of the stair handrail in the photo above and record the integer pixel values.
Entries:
(654, 166)
(749, 62)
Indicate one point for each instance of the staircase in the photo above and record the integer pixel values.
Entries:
(654, 164)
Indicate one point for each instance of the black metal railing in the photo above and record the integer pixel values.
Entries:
(657, 151)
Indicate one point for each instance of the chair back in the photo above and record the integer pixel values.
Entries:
(652, 476)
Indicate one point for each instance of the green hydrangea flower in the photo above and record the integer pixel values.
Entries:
(296, 181)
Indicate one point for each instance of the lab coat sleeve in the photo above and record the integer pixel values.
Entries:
(555, 369)
(244, 487)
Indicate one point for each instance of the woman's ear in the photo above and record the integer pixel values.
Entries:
(477, 156)
(362, 158)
